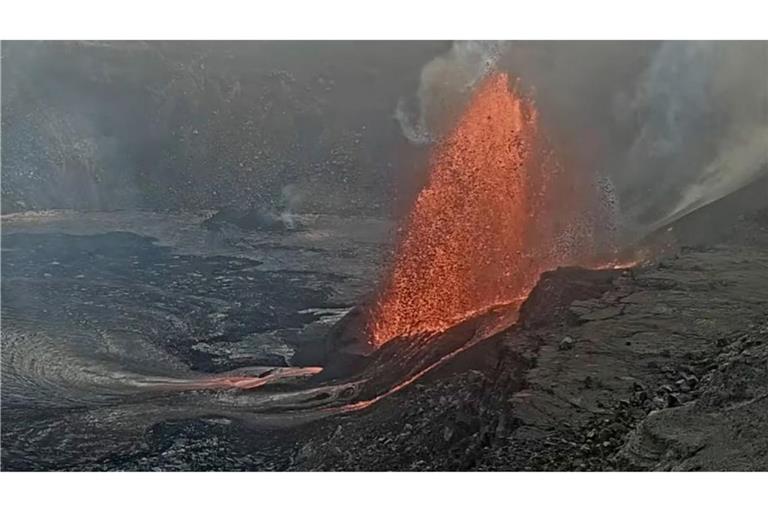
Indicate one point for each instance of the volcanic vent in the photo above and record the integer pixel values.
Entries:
(498, 209)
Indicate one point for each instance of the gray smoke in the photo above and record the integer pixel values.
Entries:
(703, 134)
(445, 83)
(673, 126)
(292, 198)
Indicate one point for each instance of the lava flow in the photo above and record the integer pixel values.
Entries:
(496, 211)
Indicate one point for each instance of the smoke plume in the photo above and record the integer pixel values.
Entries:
(444, 86)
(703, 134)
(671, 126)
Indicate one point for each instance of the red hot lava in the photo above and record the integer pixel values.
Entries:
(497, 210)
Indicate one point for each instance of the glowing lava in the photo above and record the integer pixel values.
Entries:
(496, 211)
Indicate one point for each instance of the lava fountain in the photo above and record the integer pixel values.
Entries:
(496, 211)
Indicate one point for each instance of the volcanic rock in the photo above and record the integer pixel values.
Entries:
(566, 343)
(588, 407)
(347, 344)
(551, 300)
(248, 220)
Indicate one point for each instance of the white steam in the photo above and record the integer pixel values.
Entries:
(292, 198)
(445, 83)
(703, 108)
(673, 126)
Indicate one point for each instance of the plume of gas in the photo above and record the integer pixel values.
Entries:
(672, 126)
(445, 84)
(703, 131)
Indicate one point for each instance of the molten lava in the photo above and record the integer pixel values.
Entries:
(496, 211)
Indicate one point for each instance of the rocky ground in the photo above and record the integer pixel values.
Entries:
(112, 320)
(663, 367)
(658, 367)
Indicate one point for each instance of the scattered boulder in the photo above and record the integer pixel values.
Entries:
(566, 343)
(347, 344)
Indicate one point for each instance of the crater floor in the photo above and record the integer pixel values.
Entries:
(661, 367)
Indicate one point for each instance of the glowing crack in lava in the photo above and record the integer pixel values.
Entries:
(496, 211)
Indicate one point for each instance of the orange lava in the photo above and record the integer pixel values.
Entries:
(496, 211)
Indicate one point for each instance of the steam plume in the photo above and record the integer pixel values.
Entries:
(703, 133)
(673, 126)
(445, 85)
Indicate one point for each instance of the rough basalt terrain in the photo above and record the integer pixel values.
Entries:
(662, 366)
